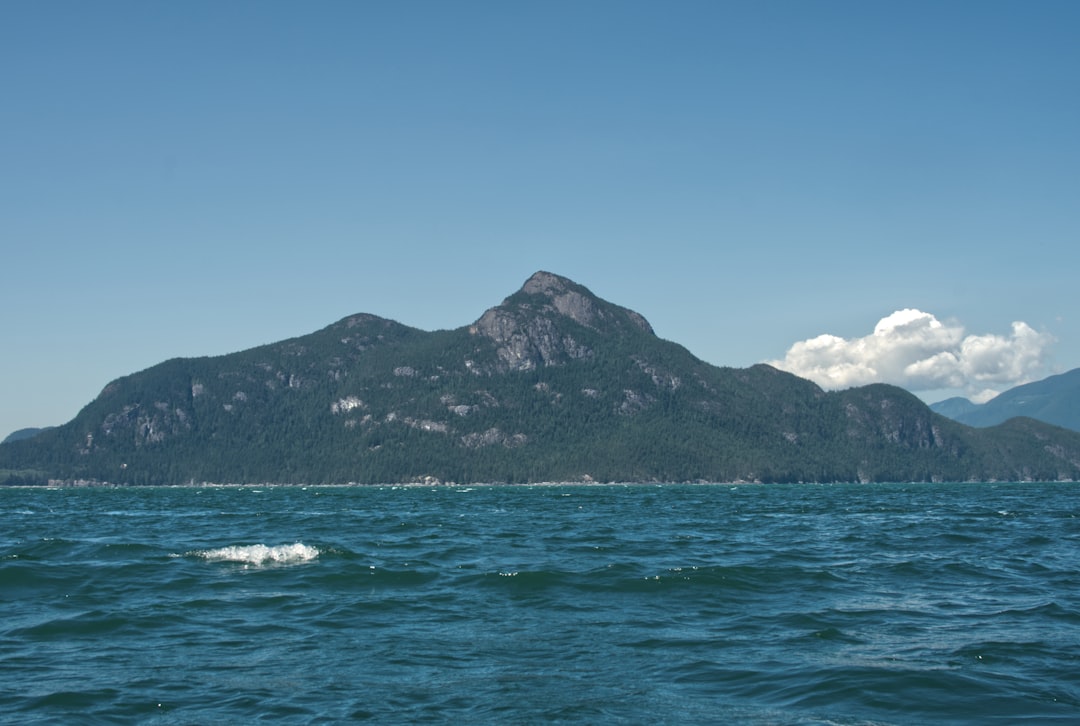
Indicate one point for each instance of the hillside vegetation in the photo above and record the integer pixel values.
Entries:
(554, 384)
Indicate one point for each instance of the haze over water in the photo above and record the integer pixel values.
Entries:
(801, 604)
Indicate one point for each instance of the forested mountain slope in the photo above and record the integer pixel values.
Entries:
(554, 384)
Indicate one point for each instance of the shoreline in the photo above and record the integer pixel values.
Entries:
(52, 485)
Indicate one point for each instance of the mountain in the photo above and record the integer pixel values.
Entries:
(23, 434)
(955, 408)
(554, 384)
(1055, 400)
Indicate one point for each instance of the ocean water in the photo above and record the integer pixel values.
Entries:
(800, 604)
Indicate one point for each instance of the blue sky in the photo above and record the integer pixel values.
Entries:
(186, 179)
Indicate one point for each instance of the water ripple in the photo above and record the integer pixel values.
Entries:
(662, 604)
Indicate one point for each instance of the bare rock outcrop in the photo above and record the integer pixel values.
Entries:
(531, 333)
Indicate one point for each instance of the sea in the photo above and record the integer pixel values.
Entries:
(612, 604)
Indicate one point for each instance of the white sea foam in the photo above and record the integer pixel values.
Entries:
(260, 554)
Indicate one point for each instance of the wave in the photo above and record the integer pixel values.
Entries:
(260, 554)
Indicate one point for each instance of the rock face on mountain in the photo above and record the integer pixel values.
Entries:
(526, 328)
(553, 384)
(1054, 400)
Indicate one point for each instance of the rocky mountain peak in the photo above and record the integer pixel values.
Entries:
(576, 302)
(528, 332)
(567, 298)
(546, 283)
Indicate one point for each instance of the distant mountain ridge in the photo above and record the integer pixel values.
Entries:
(1054, 400)
(553, 384)
(23, 434)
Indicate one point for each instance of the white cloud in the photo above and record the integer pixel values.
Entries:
(914, 349)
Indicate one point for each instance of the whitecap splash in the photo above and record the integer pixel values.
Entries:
(260, 554)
